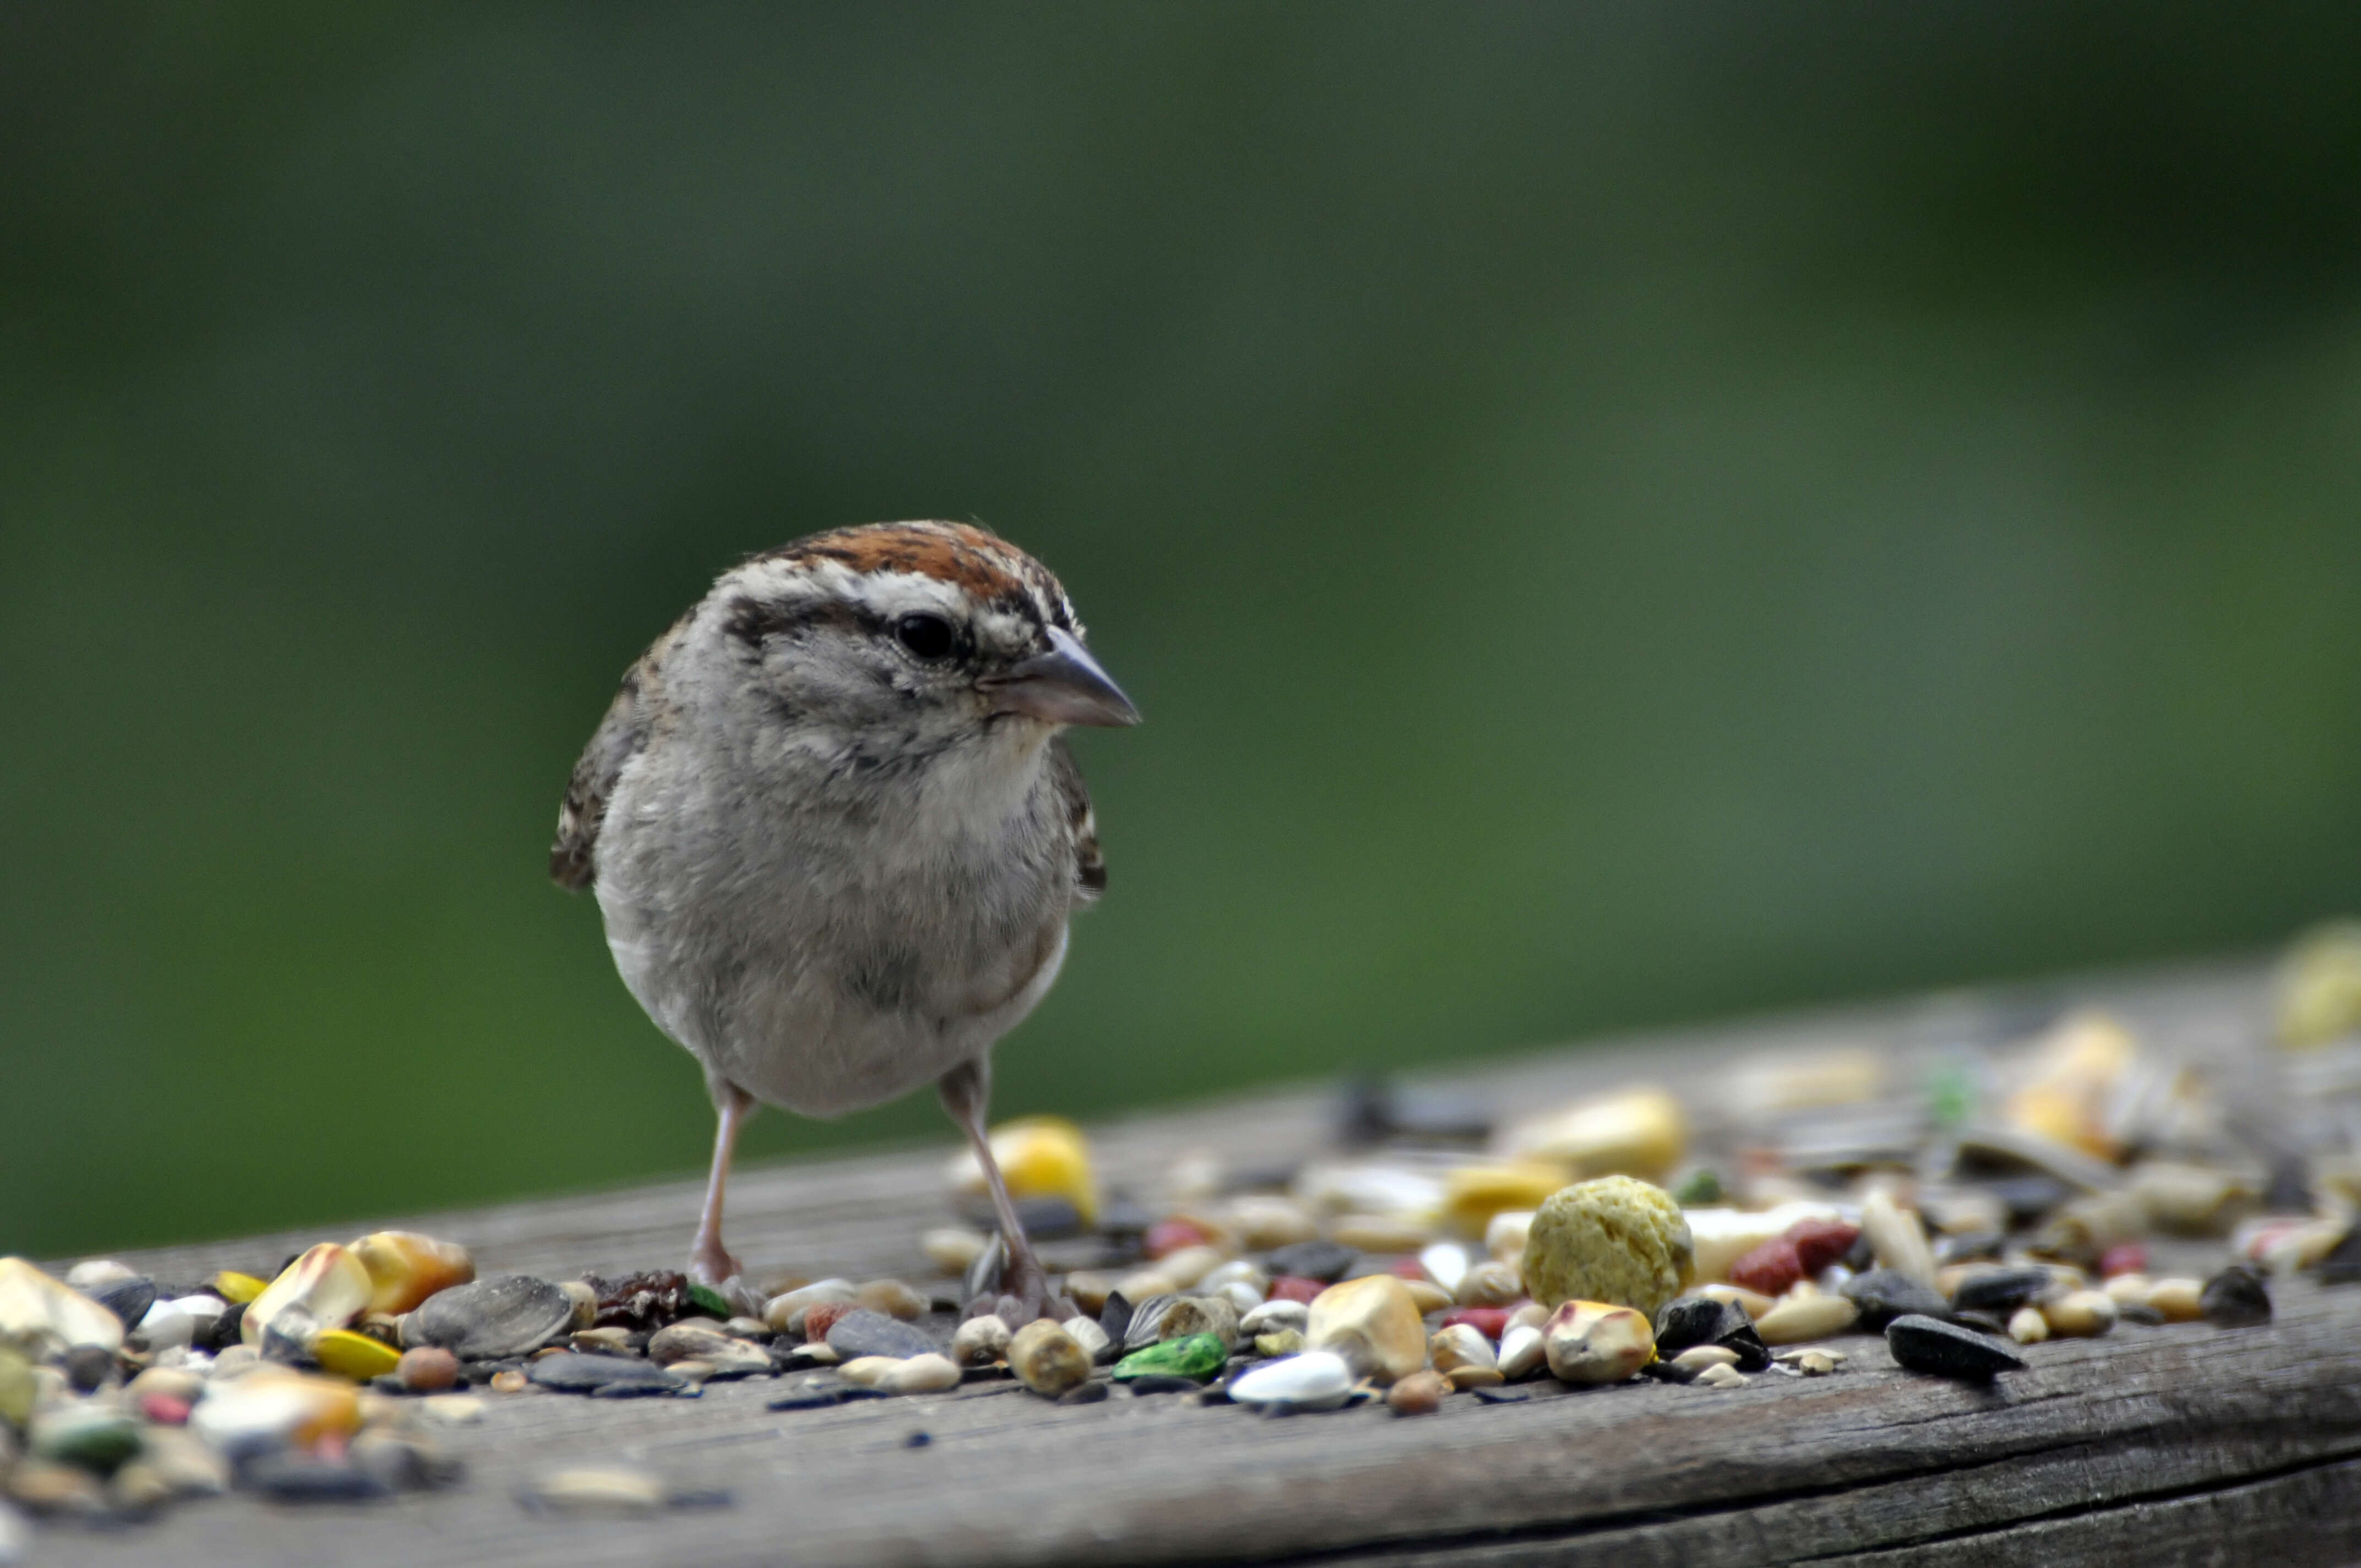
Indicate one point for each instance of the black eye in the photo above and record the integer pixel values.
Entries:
(926, 636)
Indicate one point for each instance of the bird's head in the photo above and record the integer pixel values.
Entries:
(896, 641)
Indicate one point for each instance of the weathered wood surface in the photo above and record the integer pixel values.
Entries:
(2160, 1445)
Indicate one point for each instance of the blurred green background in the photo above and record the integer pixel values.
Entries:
(1614, 514)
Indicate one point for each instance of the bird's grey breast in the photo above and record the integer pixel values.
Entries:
(830, 946)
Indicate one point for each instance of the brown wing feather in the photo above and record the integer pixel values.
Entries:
(573, 861)
(1090, 865)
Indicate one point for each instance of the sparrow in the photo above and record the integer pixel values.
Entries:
(836, 835)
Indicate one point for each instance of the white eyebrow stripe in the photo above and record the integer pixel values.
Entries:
(890, 594)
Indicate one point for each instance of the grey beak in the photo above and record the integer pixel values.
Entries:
(1064, 686)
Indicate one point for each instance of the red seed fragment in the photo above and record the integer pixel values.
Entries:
(1294, 1288)
(164, 1409)
(2128, 1257)
(2268, 1233)
(1167, 1236)
(1819, 1243)
(1490, 1322)
(1406, 1269)
(1770, 1268)
(821, 1316)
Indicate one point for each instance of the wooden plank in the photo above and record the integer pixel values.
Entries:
(2191, 1443)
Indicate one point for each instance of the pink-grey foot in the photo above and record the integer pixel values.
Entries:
(1025, 1286)
(710, 1262)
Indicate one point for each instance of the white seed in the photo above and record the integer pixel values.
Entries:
(1697, 1357)
(867, 1370)
(1797, 1354)
(165, 1326)
(2129, 1289)
(1445, 1263)
(1800, 1318)
(1896, 1238)
(1316, 1380)
(2028, 1326)
(785, 1313)
(1721, 1377)
(980, 1341)
(1462, 1345)
(1272, 1316)
(1086, 1333)
(1523, 1351)
(96, 1274)
(1238, 1271)
(1490, 1285)
(203, 1311)
(927, 1374)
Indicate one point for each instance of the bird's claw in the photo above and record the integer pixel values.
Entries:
(1027, 1296)
(712, 1265)
(723, 1274)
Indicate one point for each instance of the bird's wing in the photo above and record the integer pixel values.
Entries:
(1090, 865)
(619, 738)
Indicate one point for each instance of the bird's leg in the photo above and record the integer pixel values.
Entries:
(710, 1262)
(1026, 1288)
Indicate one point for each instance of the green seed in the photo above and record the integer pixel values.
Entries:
(1703, 1187)
(1192, 1355)
(1951, 1095)
(93, 1438)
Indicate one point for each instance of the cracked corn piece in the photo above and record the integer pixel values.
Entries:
(1615, 1239)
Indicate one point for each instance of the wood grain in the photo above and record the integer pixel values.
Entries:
(2163, 1445)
